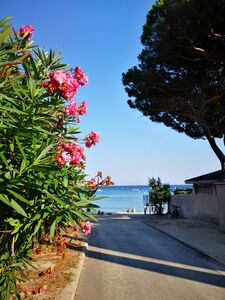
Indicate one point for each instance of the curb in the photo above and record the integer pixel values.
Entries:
(200, 251)
(68, 293)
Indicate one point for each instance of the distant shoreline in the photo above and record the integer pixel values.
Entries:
(143, 185)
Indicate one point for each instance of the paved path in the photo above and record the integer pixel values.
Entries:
(128, 259)
(200, 235)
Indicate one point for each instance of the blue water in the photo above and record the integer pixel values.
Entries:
(120, 198)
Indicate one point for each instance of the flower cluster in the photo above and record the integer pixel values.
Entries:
(98, 180)
(80, 76)
(87, 228)
(65, 84)
(28, 30)
(70, 154)
(82, 108)
(92, 139)
(74, 109)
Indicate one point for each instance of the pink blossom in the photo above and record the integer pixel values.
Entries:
(59, 159)
(92, 139)
(63, 83)
(58, 78)
(66, 156)
(72, 148)
(71, 109)
(87, 228)
(82, 109)
(71, 153)
(71, 86)
(92, 183)
(77, 120)
(26, 29)
(88, 143)
(76, 157)
(80, 76)
(42, 289)
(108, 181)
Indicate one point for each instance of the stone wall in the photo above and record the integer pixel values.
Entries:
(221, 197)
(185, 205)
(206, 202)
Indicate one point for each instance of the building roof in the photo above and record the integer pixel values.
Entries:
(214, 177)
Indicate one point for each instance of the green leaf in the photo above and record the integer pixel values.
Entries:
(23, 165)
(11, 146)
(5, 199)
(90, 216)
(59, 201)
(65, 181)
(52, 229)
(5, 256)
(5, 108)
(18, 208)
(9, 99)
(44, 152)
(5, 34)
(37, 227)
(2, 156)
(18, 196)
(4, 21)
(43, 130)
(78, 214)
(58, 219)
(8, 175)
(59, 66)
(20, 148)
(99, 198)
(17, 228)
(36, 217)
(34, 68)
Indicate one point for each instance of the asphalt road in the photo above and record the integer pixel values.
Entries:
(128, 259)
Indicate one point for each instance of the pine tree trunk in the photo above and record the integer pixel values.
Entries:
(217, 151)
(210, 138)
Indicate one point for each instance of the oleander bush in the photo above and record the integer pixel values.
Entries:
(43, 186)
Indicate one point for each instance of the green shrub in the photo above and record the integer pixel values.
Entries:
(37, 195)
(159, 194)
(182, 191)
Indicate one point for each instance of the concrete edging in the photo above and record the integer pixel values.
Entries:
(201, 251)
(69, 292)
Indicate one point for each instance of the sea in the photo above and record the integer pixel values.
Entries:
(120, 198)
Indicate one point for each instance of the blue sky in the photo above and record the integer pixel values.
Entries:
(103, 37)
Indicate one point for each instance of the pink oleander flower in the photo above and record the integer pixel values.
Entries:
(66, 156)
(92, 183)
(87, 228)
(59, 159)
(77, 120)
(26, 29)
(82, 108)
(63, 83)
(80, 76)
(92, 139)
(71, 109)
(76, 158)
(72, 154)
(108, 181)
(99, 174)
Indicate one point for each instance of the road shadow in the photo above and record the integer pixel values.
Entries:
(126, 244)
(203, 277)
